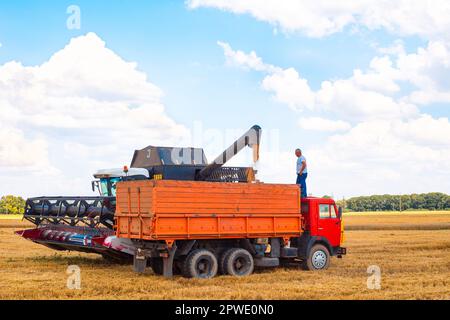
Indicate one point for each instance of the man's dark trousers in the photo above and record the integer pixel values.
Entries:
(301, 180)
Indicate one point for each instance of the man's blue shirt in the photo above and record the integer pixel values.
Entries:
(299, 164)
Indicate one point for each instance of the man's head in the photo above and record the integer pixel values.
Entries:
(298, 153)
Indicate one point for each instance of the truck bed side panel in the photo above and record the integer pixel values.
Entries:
(170, 210)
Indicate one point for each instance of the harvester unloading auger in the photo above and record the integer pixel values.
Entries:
(86, 224)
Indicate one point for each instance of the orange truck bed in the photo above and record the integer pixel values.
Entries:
(181, 210)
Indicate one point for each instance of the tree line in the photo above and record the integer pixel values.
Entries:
(12, 205)
(424, 201)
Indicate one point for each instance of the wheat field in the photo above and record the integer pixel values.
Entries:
(412, 250)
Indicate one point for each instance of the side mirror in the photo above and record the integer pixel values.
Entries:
(93, 186)
(340, 212)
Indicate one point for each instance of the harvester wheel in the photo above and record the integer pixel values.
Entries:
(318, 258)
(200, 263)
(157, 266)
(239, 262)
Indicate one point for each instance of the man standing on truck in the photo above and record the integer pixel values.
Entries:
(302, 171)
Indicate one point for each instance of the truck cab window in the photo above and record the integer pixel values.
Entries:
(324, 211)
(333, 212)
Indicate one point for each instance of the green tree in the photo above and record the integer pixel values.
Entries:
(386, 202)
(12, 205)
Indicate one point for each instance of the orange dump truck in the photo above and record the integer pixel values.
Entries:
(200, 229)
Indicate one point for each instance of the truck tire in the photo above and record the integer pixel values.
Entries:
(222, 259)
(239, 262)
(157, 266)
(200, 263)
(178, 266)
(318, 258)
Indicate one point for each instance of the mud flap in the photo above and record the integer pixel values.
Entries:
(168, 262)
(139, 262)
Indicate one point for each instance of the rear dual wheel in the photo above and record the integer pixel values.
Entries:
(236, 262)
(203, 264)
(200, 263)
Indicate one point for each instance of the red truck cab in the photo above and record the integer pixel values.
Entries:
(322, 218)
(323, 232)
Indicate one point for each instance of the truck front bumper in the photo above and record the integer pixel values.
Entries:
(340, 252)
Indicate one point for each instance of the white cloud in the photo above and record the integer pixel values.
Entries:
(242, 59)
(429, 71)
(290, 88)
(426, 131)
(397, 48)
(324, 17)
(385, 156)
(380, 141)
(348, 100)
(321, 124)
(85, 106)
(17, 151)
(365, 95)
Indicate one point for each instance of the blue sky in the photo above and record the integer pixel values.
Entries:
(175, 44)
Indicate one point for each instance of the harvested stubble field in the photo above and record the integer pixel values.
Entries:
(412, 250)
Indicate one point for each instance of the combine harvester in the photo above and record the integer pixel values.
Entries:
(177, 214)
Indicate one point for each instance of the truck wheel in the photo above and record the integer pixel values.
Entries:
(318, 258)
(201, 264)
(178, 266)
(239, 262)
(222, 260)
(157, 266)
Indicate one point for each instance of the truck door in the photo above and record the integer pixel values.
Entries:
(329, 224)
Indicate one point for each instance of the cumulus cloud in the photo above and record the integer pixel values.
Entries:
(397, 48)
(389, 143)
(428, 70)
(324, 17)
(321, 124)
(290, 88)
(242, 59)
(365, 95)
(85, 106)
(385, 156)
(379, 140)
(17, 151)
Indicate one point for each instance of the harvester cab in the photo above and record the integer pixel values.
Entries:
(108, 178)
